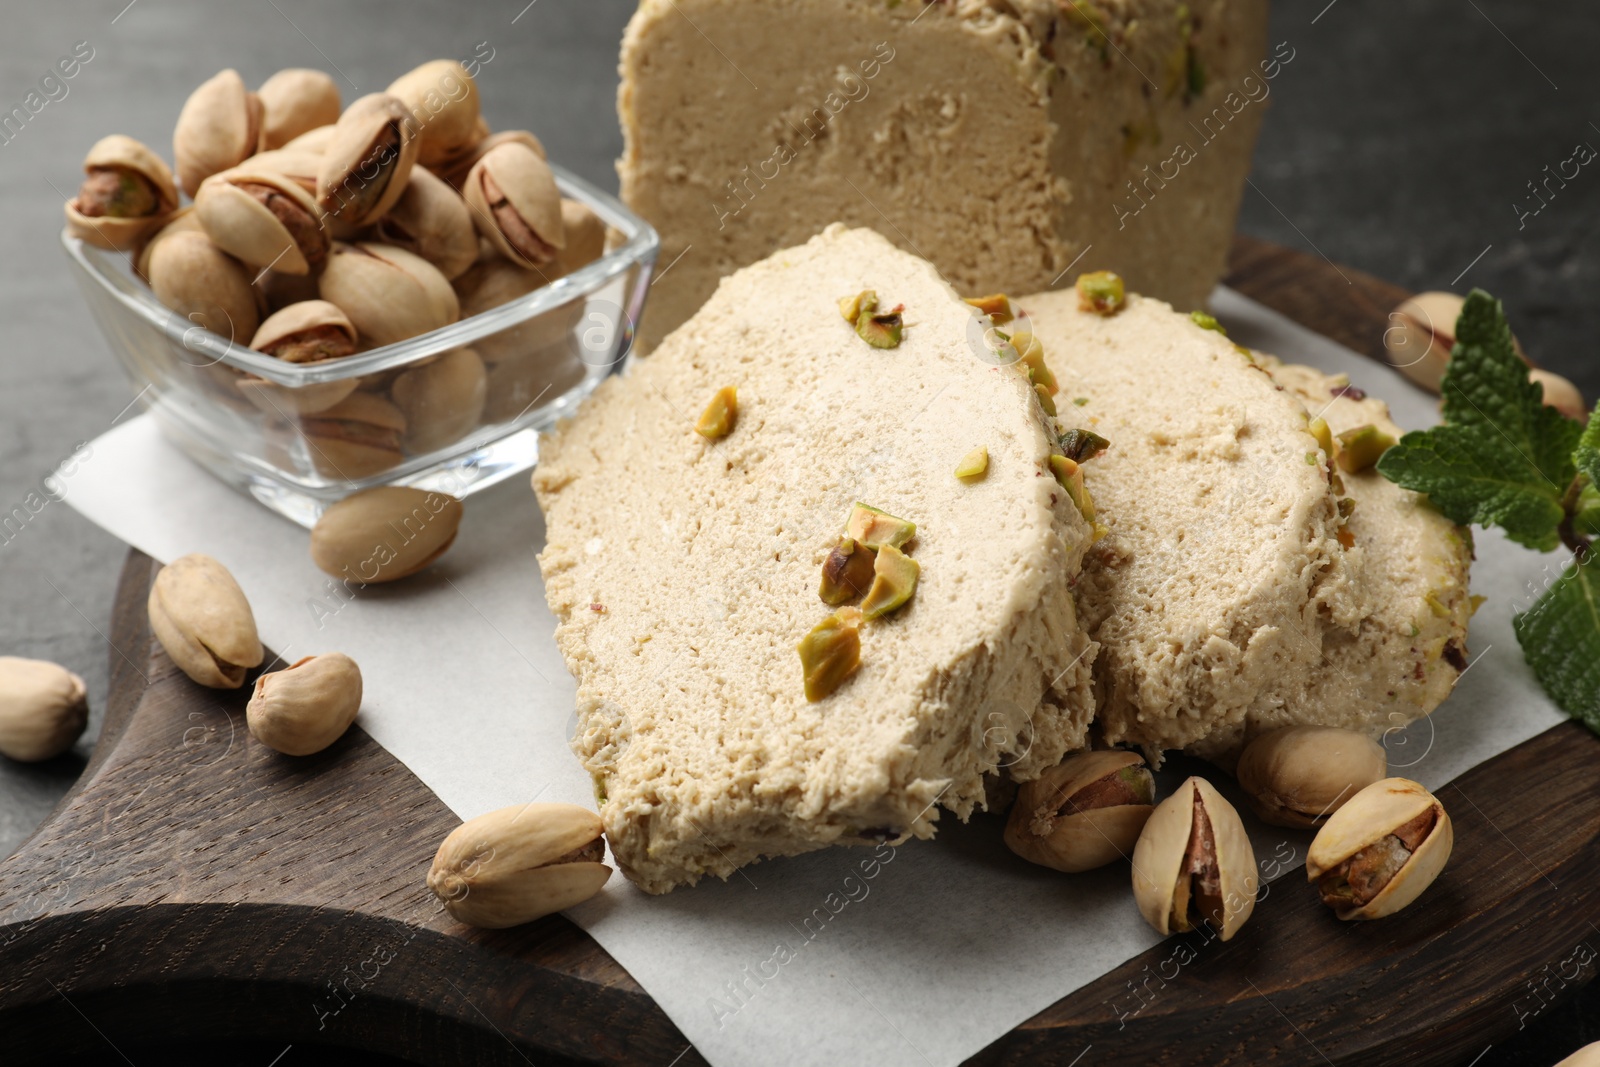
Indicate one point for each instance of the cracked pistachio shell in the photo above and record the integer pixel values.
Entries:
(201, 617)
(443, 101)
(43, 709)
(1299, 775)
(245, 228)
(455, 172)
(295, 102)
(367, 161)
(285, 326)
(1367, 818)
(219, 127)
(122, 233)
(390, 294)
(1083, 840)
(520, 863)
(442, 399)
(1158, 860)
(528, 187)
(586, 236)
(307, 706)
(384, 534)
(202, 283)
(356, 438)
(432, 220)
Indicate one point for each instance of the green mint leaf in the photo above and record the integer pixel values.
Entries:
(1587, 455)
(1560, 638)
(1502, 458)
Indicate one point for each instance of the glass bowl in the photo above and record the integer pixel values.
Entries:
(281, 442)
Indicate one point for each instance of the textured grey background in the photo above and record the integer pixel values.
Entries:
(1400, 140)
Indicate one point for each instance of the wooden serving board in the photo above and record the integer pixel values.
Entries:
(195, 885)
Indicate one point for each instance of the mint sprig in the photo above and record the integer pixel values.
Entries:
(1502, 458)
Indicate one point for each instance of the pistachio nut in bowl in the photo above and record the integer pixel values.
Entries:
(301, 389)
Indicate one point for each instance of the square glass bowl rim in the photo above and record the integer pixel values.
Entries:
(640, 247)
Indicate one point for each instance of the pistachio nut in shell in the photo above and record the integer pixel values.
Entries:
(294, 102)
(311, 331)
(219, 127)
(127, 194)
(455, 172)
(202, 283)
(307, 706)
(384, 534)
(516, 204)
(390, 294)
(1421, 335)
(495, 282)
(184, 220)
(356, 438)
(586, 236)
(263, 219)
(1298, 776)
(201, 617)
(1378, 852)
(520, 863)
(431, 220)
(443, 100)
(442, 399)
(1560, 394)
(299, 167)
(367, 161)
(43, 709)
(1193, 863)
(315, 141)
(1084, 813)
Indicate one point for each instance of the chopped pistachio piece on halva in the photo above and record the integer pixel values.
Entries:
(874, 528)
(894, 580)
(719, 416)
(831, 652)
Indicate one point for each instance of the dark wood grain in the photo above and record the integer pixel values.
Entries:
(196, 885)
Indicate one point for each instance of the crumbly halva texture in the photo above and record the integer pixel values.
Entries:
(684, 571)
(999, 138)
(1410, 568)
(1221, 584)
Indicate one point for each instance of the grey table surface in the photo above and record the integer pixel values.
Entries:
(1401, 140)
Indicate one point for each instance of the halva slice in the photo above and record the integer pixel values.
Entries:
(999, 138)
(726, 710)
(1410, 568)
(1221, 584)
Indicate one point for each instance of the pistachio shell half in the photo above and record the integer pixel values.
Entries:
(443, 100)
(1378, 852)
(390, 294)
(127, 194)
(43, 709)
(431, 220)
(384, 534)
(219, 127)
(1193, 864)
(442, 400)
(516, 204)
(1084, 813)
(519, 864)
(263, 219)
(202, 283)
(307, 706)
(1300, 775)
(367, 161)
(294, 102)
(201, 617)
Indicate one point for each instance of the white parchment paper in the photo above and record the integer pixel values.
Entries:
(917, 956)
